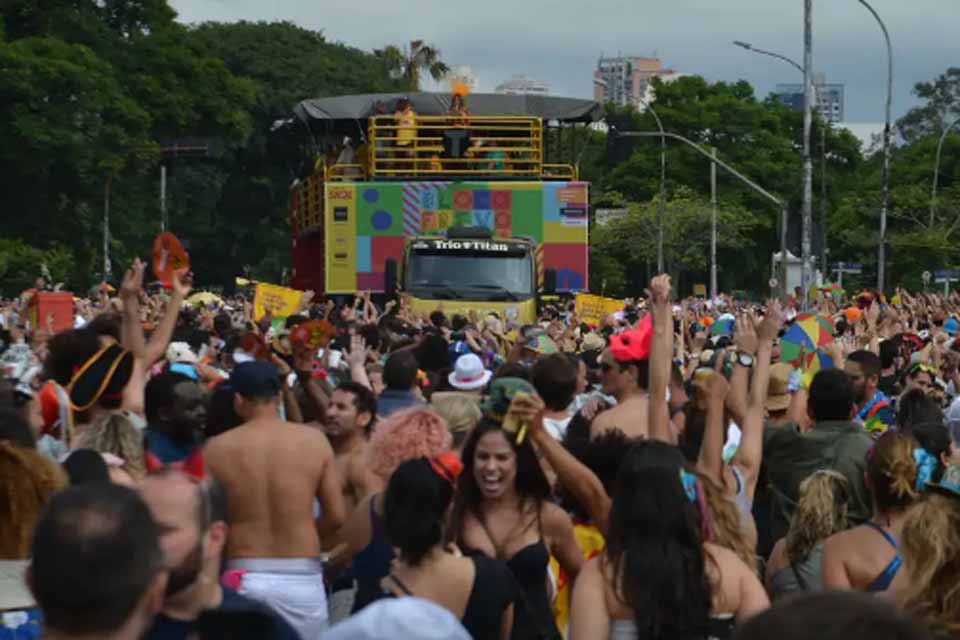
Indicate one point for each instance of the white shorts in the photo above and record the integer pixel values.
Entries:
(293, 587)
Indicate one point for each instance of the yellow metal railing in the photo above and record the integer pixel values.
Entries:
(309, 212)
(508, 147)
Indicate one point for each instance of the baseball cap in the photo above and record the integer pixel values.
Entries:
(778, 394)
(258, 379)
(950, 326)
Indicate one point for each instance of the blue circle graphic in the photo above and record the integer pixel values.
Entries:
(371, 195)
(381, 220)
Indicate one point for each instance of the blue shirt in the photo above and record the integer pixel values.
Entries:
(166, 448)
(391, 401)
(166, 628)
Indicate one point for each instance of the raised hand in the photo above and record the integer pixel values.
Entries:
(660, 290)
(132, 281)
(772, 321)
(745, 336)
(180, 288)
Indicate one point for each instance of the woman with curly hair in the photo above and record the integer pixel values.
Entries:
(821, 512)
(930, 543)
(120, 443)
(27, 481)
(867, 558)
(406, 435)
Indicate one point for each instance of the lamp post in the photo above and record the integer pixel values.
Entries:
(936, 169)
(818, 99)
(781, 204)
(885, 198)
(807, 232)
(663, 183)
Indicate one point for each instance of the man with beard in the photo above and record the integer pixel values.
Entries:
(176, 412)
(350, 417)
(191, 516)
(874, 409)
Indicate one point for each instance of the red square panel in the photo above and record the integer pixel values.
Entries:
(463, 200)
(385, 247)
(501, 200)
(570, 262)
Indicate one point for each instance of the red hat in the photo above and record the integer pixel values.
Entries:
(633, 345)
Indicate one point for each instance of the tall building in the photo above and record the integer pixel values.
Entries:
(828, 98)
(626, 80)
(522, 85)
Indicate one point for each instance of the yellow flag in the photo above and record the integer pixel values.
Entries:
(280, 301)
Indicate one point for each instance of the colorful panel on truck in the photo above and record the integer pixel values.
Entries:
(366, 223)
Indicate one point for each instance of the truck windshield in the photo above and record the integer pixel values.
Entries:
(470, 275)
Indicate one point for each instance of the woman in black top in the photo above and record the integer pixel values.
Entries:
(480, 591)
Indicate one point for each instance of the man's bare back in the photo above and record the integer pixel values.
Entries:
(630, 416)
(271, 471)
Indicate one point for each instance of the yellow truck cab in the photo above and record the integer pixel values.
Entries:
(470, 270)
(465, 212)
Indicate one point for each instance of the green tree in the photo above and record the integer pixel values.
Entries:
(941, 106)
(631, 242)
(410, 62)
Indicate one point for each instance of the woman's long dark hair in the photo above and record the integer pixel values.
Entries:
(531, 484)
(654, 548)
(415, 506)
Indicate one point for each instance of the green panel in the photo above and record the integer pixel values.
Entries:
(527, 214)
(375, 200)
(462, 218)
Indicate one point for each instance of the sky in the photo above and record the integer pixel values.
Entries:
(559, 41)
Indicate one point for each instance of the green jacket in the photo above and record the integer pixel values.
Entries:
(791, 456)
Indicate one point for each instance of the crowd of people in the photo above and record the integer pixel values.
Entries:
(673, 471)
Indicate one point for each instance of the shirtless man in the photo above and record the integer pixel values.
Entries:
(624, 376)
(271, 471)
(350, 415)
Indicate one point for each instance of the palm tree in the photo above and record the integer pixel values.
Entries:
(410, 62)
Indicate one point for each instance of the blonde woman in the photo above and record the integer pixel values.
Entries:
(867, 558)
(114, 437)
(821, 512)
(930, 545)
(462, 413)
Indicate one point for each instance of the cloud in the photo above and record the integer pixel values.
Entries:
(559, 41)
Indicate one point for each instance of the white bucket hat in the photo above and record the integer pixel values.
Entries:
(469, 374)
(181, 352)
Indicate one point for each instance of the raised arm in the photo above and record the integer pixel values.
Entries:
(160, 338)
(750, 452)
(661, 353)
(572, 474)
(710, 462)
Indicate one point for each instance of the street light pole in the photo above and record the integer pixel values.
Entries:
(661, 210)
(713, 226)
(819, 100)
(750, 183)
(807, 214)
(885, 198)
(936, 169)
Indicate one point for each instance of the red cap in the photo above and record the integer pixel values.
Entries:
(634, 344)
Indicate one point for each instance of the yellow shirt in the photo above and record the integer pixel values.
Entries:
(591, 543)
(406, 127)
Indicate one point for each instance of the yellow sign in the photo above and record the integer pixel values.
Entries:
(280, 301)
(700, 290)
(591, 308)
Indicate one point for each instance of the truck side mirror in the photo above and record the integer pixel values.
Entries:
(390, 278)
(550, 281)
